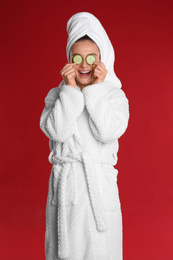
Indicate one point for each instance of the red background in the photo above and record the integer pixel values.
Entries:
(33, 41)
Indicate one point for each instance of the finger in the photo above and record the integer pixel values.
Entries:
(73, 64)
(100, 64)
(100, 69)
(96, 62)
(68, 65)
(68, 73)
(97, 76)
(98, 73)
(69, 68)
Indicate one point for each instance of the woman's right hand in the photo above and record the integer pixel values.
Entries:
(68, 74)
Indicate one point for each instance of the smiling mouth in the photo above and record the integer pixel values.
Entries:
(84, 73)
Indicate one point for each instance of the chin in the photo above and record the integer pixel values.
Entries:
(84, 83)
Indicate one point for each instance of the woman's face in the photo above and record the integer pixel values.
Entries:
(84, 48)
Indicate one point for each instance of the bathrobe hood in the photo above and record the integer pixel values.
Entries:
(84, 23)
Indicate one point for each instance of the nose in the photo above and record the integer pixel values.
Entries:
(83, 64)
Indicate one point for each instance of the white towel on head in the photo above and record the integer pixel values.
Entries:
(84, 23)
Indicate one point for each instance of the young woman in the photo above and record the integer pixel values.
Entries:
(83, 118)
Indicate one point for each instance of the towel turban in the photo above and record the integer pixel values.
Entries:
(84, 23)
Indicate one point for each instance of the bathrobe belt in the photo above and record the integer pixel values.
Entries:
(91, 178)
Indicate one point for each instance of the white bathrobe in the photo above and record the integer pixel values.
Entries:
(83, 213)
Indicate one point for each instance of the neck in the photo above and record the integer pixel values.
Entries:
(81, 86)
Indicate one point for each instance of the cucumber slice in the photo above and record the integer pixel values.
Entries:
(90, 59)
(77, 59)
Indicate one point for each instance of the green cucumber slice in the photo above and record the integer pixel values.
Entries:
(77, 59)
(90, 59)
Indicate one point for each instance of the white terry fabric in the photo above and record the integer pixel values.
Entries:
(83, 215)
(84, 23)
(83, 128)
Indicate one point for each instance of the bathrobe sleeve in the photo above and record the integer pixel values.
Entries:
(108, 110)
(62, 108)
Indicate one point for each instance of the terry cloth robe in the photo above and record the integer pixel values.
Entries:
(83, 211)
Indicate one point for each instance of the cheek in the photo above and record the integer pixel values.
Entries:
(92, 72)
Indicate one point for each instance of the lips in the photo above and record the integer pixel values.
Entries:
(84, 73)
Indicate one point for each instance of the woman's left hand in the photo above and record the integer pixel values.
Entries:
(100, 72)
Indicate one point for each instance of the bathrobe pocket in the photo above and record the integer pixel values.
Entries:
(69, 183)
(109, 188)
